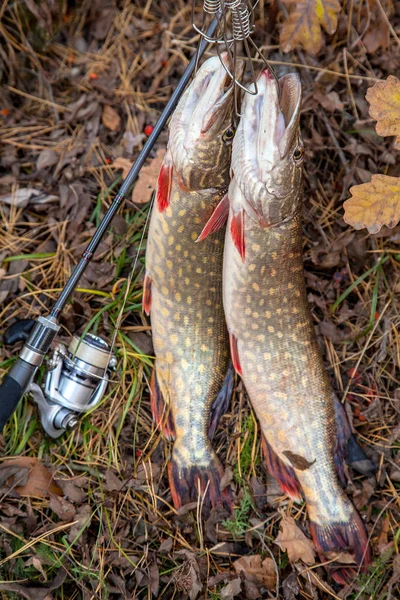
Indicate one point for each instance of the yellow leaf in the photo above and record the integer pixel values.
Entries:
(384, 100)
(374, 204)
(293, 540)
(303, 26)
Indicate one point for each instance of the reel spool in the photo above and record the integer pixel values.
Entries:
(76, 381)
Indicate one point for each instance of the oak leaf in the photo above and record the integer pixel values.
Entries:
(384, 100)
(147, 180)
(122, 163)
(374, 204)
(110, 118)
(263, 570)
(293, 540)
(303, 26)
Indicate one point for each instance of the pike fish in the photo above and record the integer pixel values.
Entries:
(273, 342)
(183, 285)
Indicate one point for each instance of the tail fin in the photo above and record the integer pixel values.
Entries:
(161, 412)
(187, 483)
(350, 536)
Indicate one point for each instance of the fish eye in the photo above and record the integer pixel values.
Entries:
(229, 134)
(298, 153)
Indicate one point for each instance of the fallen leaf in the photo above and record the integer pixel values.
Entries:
(374, 204)
(110, 118)
(47, 158)
(231, 590)
(395, 578)
(72, 489)
(344, 558)
(291, 539)
(303, 26)
(187, 577)
(330, 102)
(24, 196)
(30, 477)
(147, 180)
(154, 576)
(84, 516)
(122, 163)
(62, 508)
(37, 592)
(384, 100)
(263, 570)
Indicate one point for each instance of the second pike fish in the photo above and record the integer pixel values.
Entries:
(273, 342)
(183, 284)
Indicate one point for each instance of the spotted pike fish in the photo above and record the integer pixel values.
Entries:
(183, 284)
(273, 342)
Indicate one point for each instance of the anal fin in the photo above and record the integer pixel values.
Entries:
(146, 301)
(284, 474)
(221, 402)
(161, 413)
(217, 219)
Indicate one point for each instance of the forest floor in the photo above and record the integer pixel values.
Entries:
(81, 82)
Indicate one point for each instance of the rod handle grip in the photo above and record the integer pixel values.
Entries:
(13, 388)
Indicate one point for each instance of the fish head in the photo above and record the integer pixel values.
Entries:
(202, 127)
(268, 151)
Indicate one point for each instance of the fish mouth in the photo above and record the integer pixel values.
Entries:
(209, 99)
(276, 112)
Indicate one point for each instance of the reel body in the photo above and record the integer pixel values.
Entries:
(76, 381)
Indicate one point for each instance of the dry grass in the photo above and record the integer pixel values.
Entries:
(123, 539)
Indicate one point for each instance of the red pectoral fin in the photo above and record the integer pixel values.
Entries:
(237, 232)
(235, 353)
(164, 185)
(217, 219)
(146, 301)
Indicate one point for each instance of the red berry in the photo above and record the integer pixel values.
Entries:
(148, 129)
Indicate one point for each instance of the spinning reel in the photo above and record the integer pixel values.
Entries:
(75, 382)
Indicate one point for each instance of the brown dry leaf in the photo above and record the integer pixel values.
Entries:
(110, 118)
(374, 204)
(303, 26)
(39, 482)
(231, 590)
(35, 592)
(263, 570)
(384, 100)
(147, 180)
(293, 540)
(122, 163)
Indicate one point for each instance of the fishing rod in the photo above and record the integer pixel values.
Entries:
(78, 375)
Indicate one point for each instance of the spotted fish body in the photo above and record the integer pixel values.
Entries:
(273, 341)
(183, 284)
